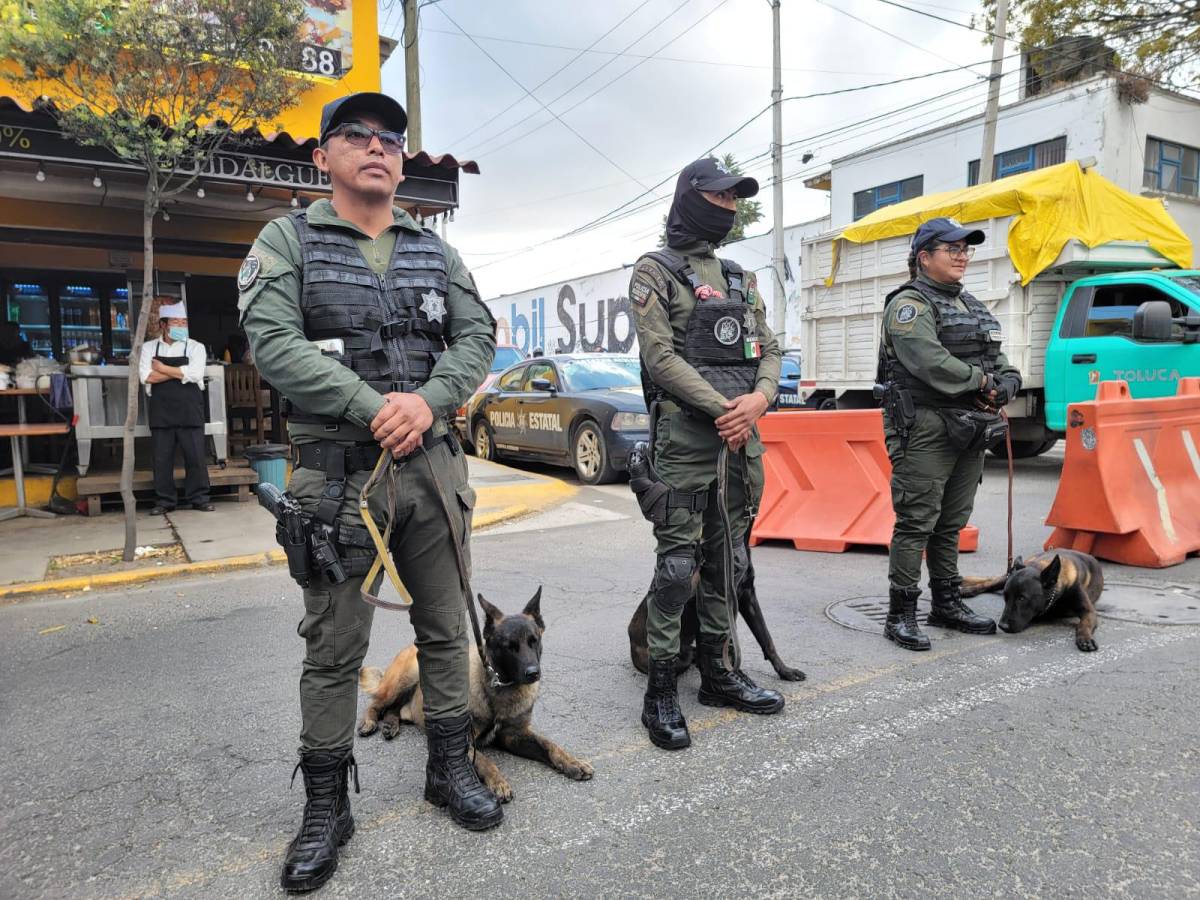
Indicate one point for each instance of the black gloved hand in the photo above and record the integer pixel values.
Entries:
(1006, 387)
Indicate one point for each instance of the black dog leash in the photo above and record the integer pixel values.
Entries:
(731, 653)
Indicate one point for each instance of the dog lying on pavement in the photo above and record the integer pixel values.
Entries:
(689, 628)
(1050, 585)
(501, 715)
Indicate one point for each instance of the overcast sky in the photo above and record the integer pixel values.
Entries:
(540, 178)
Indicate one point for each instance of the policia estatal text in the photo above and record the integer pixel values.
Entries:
(710, 369)
(942, 379)
(373, 330)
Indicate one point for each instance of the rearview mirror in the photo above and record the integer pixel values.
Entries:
(1152, 321)
(544, 384)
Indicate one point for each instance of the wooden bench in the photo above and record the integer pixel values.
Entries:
(96, 485)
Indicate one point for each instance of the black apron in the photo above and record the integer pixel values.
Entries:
(174, 404)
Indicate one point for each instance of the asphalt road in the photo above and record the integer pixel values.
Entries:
(149, 754)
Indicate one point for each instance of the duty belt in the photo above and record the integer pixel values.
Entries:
(355, 457)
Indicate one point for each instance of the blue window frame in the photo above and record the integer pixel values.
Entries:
(866, 202)
(1172, 167)
(1023, 159)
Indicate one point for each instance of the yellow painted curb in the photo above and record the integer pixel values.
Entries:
(494, 505)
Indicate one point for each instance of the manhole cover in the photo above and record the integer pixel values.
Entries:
(1150, 604)
(868, 613)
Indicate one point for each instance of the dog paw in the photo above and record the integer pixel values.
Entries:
(789, 674)
(390, 730)
(578, 770)
(366, 728)
(502, 790)
(1086, 645)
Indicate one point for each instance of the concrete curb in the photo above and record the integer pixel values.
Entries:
(494, 504)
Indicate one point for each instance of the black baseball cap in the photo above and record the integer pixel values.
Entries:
(335, 112)
(710, 174)
(946, 230)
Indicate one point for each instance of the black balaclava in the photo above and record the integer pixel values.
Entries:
(692, 218)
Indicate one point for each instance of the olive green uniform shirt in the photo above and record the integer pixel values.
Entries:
(270, 311)
(663, 304)
(914, 342)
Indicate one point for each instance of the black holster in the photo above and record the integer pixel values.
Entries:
(973, 430)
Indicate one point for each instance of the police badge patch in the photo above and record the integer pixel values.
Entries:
(906, 313)
(251, 266)
(727, 331)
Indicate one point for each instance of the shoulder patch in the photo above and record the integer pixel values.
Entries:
(251, 266)
(906, 313)
(647, 282)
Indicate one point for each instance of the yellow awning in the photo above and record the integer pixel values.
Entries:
(1050, 207)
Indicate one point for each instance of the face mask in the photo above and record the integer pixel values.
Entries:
(692, 218)
(178, 332)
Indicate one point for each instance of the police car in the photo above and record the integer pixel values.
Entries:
(789, 382)
(581, 410)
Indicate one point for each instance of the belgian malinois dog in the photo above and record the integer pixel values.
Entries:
(689, 629)
(1050, 585)
(501, 715)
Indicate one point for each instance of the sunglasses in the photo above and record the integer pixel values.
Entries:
(359, 136)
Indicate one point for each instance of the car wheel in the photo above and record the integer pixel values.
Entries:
(590, 455)
(485, 447)
(828, 404)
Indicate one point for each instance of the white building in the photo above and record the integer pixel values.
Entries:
(1148, 148)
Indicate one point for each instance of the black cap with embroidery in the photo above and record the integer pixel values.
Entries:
(710, 174)
(335, 112)
(945, 230)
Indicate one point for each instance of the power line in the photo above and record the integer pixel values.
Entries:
(553, 74)
(515, 81)
(603, 87)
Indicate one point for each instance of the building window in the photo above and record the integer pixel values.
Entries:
(1023, 159)
(866, 202)
(1171, 167)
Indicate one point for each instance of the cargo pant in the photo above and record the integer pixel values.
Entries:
(337, 622)
(686, 449)
(933, 492)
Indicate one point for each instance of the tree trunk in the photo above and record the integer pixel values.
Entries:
(133, 394)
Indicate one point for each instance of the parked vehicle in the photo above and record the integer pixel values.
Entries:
(1118, 310)
(585, 411)
(506, 355)
(788, 396)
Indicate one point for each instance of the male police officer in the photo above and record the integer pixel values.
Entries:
(712, 367)
(374, 331)
(940, 357)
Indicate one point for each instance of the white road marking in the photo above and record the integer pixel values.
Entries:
(1164, 511)
(564, 516)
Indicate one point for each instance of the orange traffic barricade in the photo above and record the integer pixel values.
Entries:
(828, 482)
(1130, 486)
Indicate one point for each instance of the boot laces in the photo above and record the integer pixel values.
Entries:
(668, 706)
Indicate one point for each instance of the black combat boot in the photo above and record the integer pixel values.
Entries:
(720, 686)
(950, 612)
(312, 856)
(660, 708)
(901, 625)
(451, 779)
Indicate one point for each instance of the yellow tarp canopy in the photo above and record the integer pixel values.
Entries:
(1050, 207)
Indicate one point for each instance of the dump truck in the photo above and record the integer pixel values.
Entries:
(1089, 282)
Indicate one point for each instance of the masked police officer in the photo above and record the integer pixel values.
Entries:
(373, 329)
(946, 377)
(711, 368)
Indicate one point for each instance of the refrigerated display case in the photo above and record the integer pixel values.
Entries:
(117, 345)
(79, 317)
(28, 304)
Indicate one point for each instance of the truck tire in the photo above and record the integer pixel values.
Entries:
(1026, 449)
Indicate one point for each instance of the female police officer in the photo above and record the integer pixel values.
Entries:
(946, 377)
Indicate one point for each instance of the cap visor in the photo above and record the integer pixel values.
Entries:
(390, 112)
(743, 184)
(970, 235)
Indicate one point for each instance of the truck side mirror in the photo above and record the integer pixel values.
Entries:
(1152, 321)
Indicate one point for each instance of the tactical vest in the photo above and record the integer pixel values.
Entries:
(717, 333)
(391, 325)
(971, 334)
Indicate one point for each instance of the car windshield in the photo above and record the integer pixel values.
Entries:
(1191, 282)
(505, 357)
(600, 374)
(790, 368)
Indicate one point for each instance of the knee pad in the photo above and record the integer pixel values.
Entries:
(675, 581)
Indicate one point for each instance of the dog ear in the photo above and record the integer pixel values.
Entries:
(1017, 563)
(493, 614)
(533, 609)
(1051, 572)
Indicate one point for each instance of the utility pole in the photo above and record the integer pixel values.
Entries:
(412, 76)
(777, 261)
(986, 156)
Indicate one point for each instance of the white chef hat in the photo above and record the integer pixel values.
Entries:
(172, 311)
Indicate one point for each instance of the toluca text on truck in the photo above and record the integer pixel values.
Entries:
(1089, 283)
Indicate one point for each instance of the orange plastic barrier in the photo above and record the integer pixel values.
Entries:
(828, 482)
(1130, 486)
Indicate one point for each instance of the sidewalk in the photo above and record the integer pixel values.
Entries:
(235, 535)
